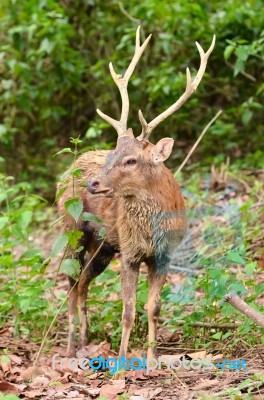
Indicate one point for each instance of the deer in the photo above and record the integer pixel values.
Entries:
(140, 202)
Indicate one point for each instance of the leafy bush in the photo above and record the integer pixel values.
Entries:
(23, 286)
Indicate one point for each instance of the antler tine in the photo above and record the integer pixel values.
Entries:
(191, 86)
(122, 83)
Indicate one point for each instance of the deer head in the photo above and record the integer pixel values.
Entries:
(135, 161)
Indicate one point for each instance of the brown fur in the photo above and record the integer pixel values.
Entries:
(127, 198)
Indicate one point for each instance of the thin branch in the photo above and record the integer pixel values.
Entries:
(233, 299)
(198, 141)
(133, 19)
(245, 74)
(207, 324)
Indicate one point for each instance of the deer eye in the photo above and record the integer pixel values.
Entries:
(130, 161)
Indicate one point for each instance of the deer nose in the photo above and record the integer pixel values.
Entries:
(93, 185)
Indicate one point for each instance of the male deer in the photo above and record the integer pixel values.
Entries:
(138, 198)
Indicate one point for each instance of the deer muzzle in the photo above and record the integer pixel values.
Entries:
(95, 186)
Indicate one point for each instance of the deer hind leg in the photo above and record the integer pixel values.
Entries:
(156, 283)
(78, 294)
(129, 278)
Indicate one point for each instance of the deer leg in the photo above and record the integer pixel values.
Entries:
(83, 284)
(129, 278)
(72, 303)
(94, 267)
(156, 283)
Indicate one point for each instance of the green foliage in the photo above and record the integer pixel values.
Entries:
(54, 60)
(22, 265)
(226, 266)
(105, 298)
(39, 70)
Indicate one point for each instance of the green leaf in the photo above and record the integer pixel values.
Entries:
(242, 53)
(70, 267)
(74, 208)
(217, 335)
(3, 222)
(239, 66)
(246, 117)
(86, 216)
(245, 383)
(228, 51)
(25, 218)
(25, 304)
(5, 359)
(76, 172)
(102, 233)
(76, 141)
(92, 133)
(73, 237)
(226, 335)
(236, 258)
(47, 46)
(59, 244)
(3, 130)
(250, 268)
(44, 265)
(65, 150)
(10, 397)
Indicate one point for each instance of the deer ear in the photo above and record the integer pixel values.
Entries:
(162, 150)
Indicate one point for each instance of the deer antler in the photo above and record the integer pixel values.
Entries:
(191, 86)
(122, 82)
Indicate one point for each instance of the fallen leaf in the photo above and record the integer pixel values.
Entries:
(21, 387)
(199, 354)
(15, 359)
(110, 391)
(136, 375)
(159, 372)
(96, 383)
(216, 357)
(30, 372)
(62, 379)
(148, 393)
(175, 337)
(5, 364)
(203, 384)
(39, 381)
(73, 393)
(7, 387)
(95, 376)
(93, 392)
(32, 394)
(96, 350)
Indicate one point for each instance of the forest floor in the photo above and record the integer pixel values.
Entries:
(19, 375)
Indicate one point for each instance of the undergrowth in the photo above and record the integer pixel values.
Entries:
(220, 259)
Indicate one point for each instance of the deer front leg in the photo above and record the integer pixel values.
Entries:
(156, 282)
(129, 278)
(82, 309)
